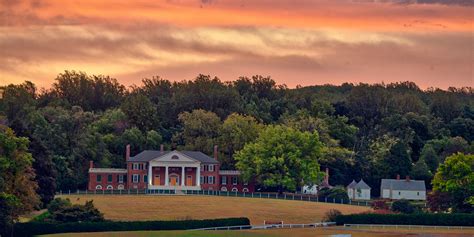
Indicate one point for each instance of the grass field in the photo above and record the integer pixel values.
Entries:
(140, 207)
(281, 233)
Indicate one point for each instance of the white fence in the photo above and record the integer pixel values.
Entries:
(284, 196)
(422, 227)
(271, 226)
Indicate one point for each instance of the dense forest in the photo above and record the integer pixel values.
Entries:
(367, 131)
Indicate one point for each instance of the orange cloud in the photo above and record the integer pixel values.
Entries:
(309, 42)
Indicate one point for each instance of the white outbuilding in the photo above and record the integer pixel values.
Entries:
(403, 189)
(358, 191)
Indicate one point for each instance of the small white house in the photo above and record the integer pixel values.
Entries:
(358, 191)
(403, 189)
(310, 189)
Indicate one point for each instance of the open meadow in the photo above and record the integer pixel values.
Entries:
(148, 207)
(283, 233)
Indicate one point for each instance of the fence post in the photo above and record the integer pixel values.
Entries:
(285, 196)
(268, 195)
(260, 195)
(276, 196)
(252, 195)
(326, 199)
(86, 191)
(60, 192)
(301, 197)
(293, 199)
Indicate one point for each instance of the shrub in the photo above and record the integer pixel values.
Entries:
(76, 213)
(61, 210)
(40, 228)
(458, 219)
(403, 206)
(337, 193)
(331, 215)
(380, 205)
(58, 203)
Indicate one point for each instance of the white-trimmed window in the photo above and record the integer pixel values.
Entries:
(110, 178)
(234, 180)
(120, 187)
(202, 179)
(245, 190)
(109, 187)
(136, 178)
(246, 183)
(210, 179)
(135, 166)
(99, 179)
(211, 168)
(224, 189)
(120, 178)
(224, 180)
(98, 187)
(234, 189)
(145, 178)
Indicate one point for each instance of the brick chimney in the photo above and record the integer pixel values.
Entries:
(215, 152)
(326, 177)
(398, 177)
(162, 149)
(91, 164)
(127, 152)
(407, 178)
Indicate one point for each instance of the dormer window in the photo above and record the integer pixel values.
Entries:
(175, 157)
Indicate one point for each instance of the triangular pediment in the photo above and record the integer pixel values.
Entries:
(175, 156)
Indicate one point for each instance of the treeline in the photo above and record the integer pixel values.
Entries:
(367, 131)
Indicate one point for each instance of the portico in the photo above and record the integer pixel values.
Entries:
(174, 171)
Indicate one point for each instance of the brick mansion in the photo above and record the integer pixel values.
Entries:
(168, 170)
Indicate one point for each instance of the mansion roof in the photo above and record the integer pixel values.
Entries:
(149, 155)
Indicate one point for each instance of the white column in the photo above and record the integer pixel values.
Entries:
(198, 176)
(166, 176)
(150, 174)
(182, 175)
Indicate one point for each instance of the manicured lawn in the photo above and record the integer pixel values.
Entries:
(280, 233)
(141, 207)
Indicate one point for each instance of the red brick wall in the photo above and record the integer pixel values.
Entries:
(104, 183)
(131, 172)
(215, 173)
(240, 184)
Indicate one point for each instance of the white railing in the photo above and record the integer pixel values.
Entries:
(284, 196)
(422, 227)
(270, 226)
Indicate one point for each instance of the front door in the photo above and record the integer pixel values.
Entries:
(174, 180)
(156, 180)
(189, 180)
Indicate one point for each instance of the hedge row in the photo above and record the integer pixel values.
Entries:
(459, 219)
(39, 228)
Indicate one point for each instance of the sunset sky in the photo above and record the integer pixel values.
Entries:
(296, 42)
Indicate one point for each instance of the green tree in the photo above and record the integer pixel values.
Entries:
(421, 171)
(140, 112)
(429, 155)
(282, 157)
(200, 130)
(456, 177)
(236, 131)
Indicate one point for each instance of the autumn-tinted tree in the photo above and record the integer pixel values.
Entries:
(17, 185)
